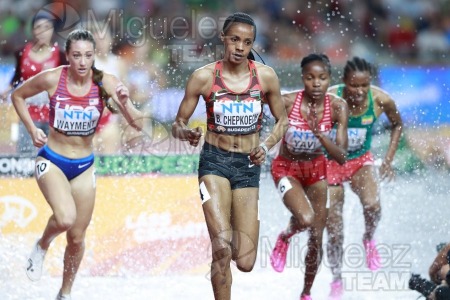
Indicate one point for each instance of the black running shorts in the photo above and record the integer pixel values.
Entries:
(236, 167)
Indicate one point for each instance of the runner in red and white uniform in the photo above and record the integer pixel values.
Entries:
(299, 170)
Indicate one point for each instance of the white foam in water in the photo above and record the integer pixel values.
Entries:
(413, 223)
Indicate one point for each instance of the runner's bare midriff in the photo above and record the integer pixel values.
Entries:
(233, 143)
(70, 146)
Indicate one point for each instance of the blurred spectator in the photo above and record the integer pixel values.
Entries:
(107, 136)
(37, 55)
(387, 31)
(432, 42)
(144, 80)
(289, 29)
(12, 32)
(446, 27)
(376, 21)
(401, 38)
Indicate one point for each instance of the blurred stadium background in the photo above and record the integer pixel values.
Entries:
(408, 41)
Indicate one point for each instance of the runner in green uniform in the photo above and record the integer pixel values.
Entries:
(366, 103)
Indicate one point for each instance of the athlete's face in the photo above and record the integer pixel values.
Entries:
(238, 41)
(43, 31)
(81, 57)
(316, 79)
(357, 86)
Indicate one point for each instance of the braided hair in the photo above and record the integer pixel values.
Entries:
(97, 75)
(316, 57)
(357, 64)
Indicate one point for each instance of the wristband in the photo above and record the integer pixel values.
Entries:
(264, 147)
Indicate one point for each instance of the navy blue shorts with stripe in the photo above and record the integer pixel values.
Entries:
(70, 167)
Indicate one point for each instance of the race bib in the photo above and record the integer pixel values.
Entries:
(301, 141)
(356, 138)
(42, 167)
(237, 117)
(76, 120)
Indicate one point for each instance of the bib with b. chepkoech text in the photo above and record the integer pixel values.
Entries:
(234, 113)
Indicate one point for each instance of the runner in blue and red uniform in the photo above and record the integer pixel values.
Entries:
(235, 90)
(299, 170)
(64, 165)
(366, 103)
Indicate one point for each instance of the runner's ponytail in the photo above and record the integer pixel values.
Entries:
(97, 77)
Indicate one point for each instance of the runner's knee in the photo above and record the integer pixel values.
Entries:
(372, 207)
(246, 262)
(336, 193)
(221, 257)
(65, 220)
(75, 237)
(304, 219)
